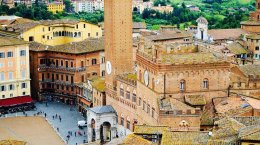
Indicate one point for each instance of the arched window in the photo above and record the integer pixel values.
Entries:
(79, 34)
(205, 83)
(182, 85)
(75, 34)
(60, 33)
(63, 33)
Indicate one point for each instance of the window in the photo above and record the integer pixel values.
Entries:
(82, 78)
(22, 53)
(82, 63)
(182, 85)
(88, 34)
(10, 64)
(2, 55)
(10, 75)
(42, 76)
(49, 28)
(24, 85)
(94, 61)
(144, 104)
(84, 25)
(77, 26)
(3, 96)
(11, 87)
(61, 62)
(205, 84)
(62, 77)
(72, 79)
(103, 73)
(57, 63)
(153, 111)
(23, 74)
(31, 38)
(257, 48)
(67, 78)
(134, 97)
(140, 101)
(57, 76)
(2, 88)
(10, 54)
(127, 95)
(71, 64)
(128, 124)
(24, 93)
(148, 108)
(122, 121)
(121, 92)
(11, 95)
(1, 65)
(2, 76)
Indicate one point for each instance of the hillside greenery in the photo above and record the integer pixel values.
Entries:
(219, 13)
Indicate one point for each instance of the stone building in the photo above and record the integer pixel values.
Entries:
(56, 70)
(55, 32)
(167, 72)
(15, 86)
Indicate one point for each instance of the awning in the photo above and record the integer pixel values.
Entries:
(85, 102)
(15, 101)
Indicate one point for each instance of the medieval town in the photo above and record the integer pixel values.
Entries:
(73, 82)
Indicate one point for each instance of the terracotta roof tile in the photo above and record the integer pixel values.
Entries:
(220, 34)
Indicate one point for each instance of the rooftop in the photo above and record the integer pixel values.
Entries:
(190, 58)
(139, 25)
(133, 139)
(173, 104)
(103, 109)
(185, 138)
(7, 41)
(250, 70)
(253, 36)
(147, 129)
(222, 34)
(85, 46)
(250, 22)
(195, 99)
(251, 133)
(99, 84)
(168, 35)
(236, 48)
(231, 106)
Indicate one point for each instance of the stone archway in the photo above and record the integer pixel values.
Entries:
(105, 132)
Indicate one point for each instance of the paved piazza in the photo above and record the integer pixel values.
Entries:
(34, 129)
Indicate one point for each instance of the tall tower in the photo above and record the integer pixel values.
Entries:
(118, 40)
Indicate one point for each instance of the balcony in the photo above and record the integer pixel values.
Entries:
(44, 67)
(59, 82)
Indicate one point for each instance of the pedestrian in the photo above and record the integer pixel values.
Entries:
(75, 133)
(76, 143)
(53, 117)
(60, 119)
(58, 129)
(84, 132)
(45, 115)
(56, 116)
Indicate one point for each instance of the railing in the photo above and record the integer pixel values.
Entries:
(58, 82)
(61, 68)
(127, 80)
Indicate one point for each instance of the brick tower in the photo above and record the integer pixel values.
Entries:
(118, 41)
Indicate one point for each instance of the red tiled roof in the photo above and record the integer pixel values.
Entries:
(15, 101)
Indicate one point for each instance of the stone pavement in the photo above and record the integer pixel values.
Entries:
(69, 118)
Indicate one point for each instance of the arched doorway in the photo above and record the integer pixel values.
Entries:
(93, 124)
(105, 132)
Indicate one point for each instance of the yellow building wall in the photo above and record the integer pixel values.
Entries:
(19, 63)
(46, 34)
(56, 8)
